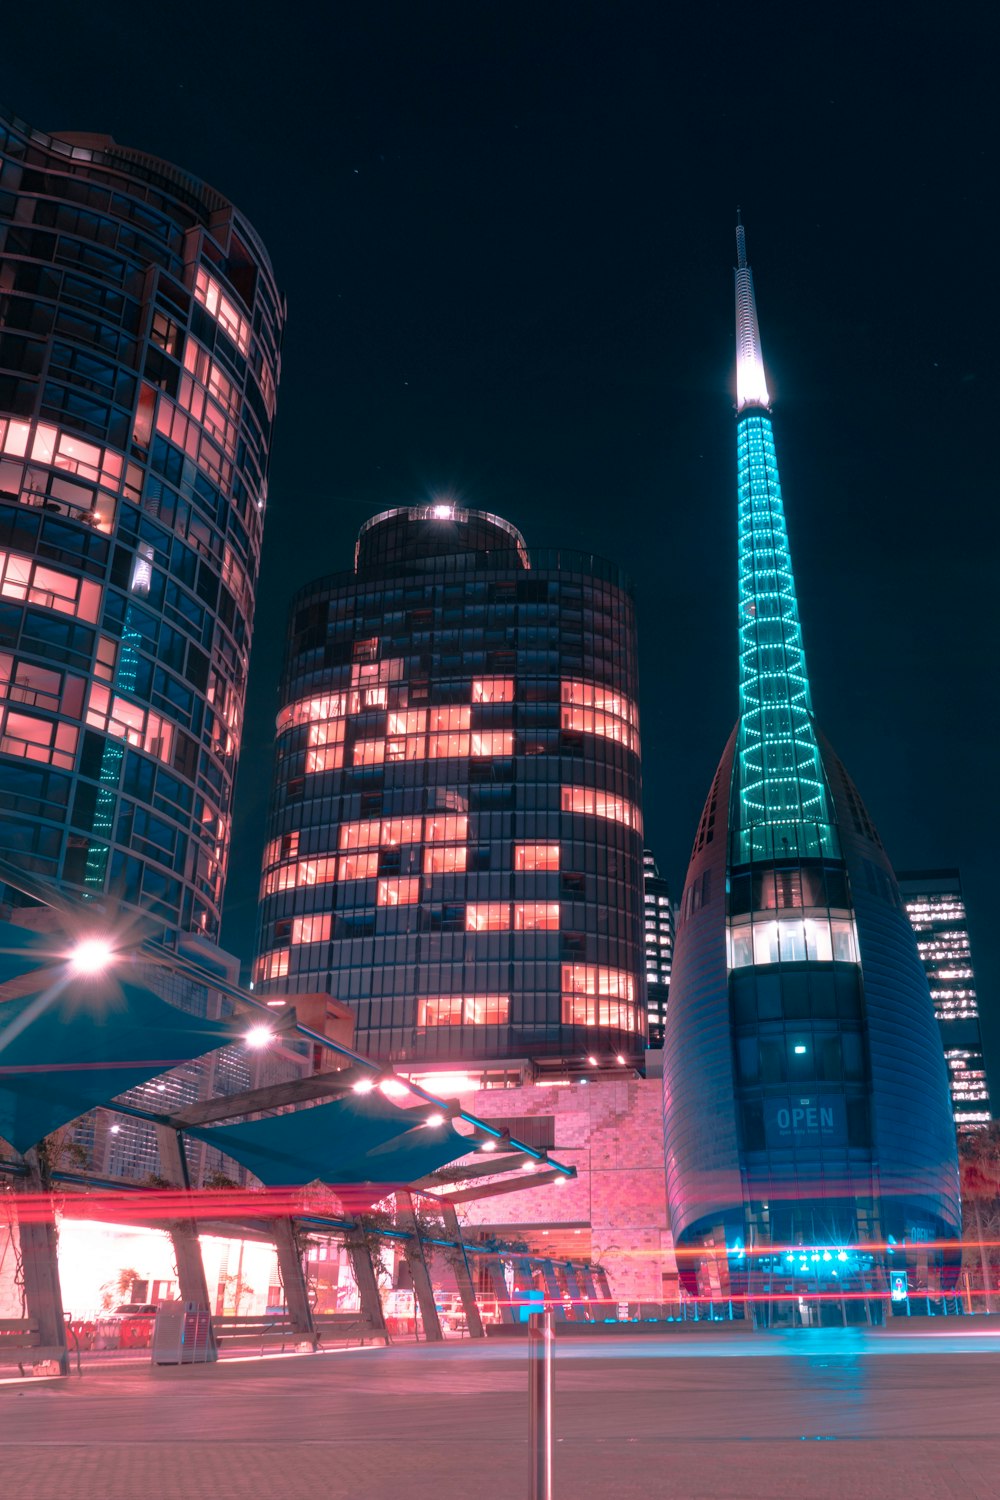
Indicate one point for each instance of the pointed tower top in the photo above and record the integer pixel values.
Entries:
(751, 383)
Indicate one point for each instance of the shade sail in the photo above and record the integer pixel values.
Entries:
(22, 949)
(364, 1138)
(77, 1043)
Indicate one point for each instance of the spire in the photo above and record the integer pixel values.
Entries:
(751, 384)
(782, 809)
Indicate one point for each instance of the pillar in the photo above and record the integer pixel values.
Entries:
(184, 1233)
(293, 1279)
(463, 1275)
(366, 1281)
(406, 1218)
(39, 1260)
(498, 1281)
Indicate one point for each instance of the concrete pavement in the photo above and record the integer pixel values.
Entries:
(813, 1414)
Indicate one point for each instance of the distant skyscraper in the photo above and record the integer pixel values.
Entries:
(936, 909)
(139, 333)
(658, 924)
(456, 837)
(806, 1103)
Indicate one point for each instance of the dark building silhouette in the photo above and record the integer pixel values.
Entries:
(936, 909)
(658, 929)
(806, 1104)
(139, 334)
(455, 836)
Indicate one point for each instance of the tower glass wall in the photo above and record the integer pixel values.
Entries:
(658, 928)
(936, 909)
(455, 840)
(140, 328)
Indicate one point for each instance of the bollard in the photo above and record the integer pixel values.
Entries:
(541, 1341)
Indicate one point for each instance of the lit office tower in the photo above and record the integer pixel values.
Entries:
(455, 838)
(806, 1103)
(658, 925)
(139, 335)
(936, 909)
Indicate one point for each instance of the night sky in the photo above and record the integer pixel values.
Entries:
(505, 233)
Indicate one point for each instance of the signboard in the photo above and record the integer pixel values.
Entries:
(805, 1120)
(898, 1289)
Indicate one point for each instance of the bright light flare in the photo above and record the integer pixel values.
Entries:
(435, 1119)
(258, 1037)
(592, 1061)
(92, 956)
(364, 1086)
(488, 1146)
(393, 1088)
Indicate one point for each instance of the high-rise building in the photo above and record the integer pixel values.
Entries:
(455, 841)
(658, 928)
(140, 328)
(936, 909)
(807, 1114)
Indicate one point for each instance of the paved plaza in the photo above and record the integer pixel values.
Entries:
(909, 1415)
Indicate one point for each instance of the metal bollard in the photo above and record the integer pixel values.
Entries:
(541, 1344)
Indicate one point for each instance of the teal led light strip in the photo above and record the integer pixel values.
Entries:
(781, 807)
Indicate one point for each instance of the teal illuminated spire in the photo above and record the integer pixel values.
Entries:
(782, 804)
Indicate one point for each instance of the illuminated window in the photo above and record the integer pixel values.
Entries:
(492, 916)
(532, 915)
(442, 746)
(106, 658)
(285, 846)
(306, 710)
(595, 695)
(358, 866)
(127, 720)
(414, 747)
(225, 312)
(312, 929)
(316, 871)
(492, 742)
(470, 1010)
(273, 965)
(24, 579)
(329, 758)
(43, 740)
(407, 721)
(329, 732)
(398, 892)
(493, 690)
(395, 832)
(457, 716)
(369, 753)
(359, 835)
(591, 979)
(819, 939)
(451, 826)
(445, 860)
(536, 856)
(212, 376)
(582, 799)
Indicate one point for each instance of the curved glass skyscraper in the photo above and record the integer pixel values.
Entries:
(455, 839)
(140, 328)
(808, 1127)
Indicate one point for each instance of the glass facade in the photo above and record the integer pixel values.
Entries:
(455, 841)
(805, 1099)
(658, 937)
(936, 909)
(140, 328)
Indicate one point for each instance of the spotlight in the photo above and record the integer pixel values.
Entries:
(526, 1166)
(364, 1086)
(488, 1146)
(592, 1061)
(393, 1087)
(436, 1119)
(620, 1059)
(259, 1036)
(560, 1181)
(91, 956)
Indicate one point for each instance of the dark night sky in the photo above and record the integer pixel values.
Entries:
(505, 235)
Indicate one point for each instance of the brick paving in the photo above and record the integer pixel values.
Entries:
(833, 1415)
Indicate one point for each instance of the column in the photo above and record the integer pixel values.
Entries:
(406, 1218)
(293, 1279)
(184, 1233)
(463, 1275)
(39, 1260)
(367, 1282)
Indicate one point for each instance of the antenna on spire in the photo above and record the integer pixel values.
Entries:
(741, 242)
(751, 383)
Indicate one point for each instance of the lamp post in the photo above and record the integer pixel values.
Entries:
(541, 1341)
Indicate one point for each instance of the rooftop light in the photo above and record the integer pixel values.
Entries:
(91, 956)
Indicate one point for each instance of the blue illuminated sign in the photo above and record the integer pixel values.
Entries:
(815, 1119)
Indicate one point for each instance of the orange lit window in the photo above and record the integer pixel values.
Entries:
(408, 721)
(398, 892)
(595, 695)
(329, 758)
(581, 799)
(359, 835)
(312, 929)
(316, 871)
(285, 846)
(43, 740)
(445, 859)
(492, 916)
(451, 826)
(394, 832)
(595, 1010)
(595, 996)
(273, 965)
(493, 742)
(458, 716)
(328, 732)
(367, 672)
(225, 312)
(358, 866)
(536, 856)
(440, 1010)
(203, 367)
(493, 690)
(472, 1010)
(106, 658)
(306, 710)
(24, 579)
(126, 720)
(532, 915)
(413, 747)
(442, 746)
(369, 753)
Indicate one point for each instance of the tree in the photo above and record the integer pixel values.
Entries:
(979, 1163)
